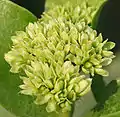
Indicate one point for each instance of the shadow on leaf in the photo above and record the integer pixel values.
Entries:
(102, 92)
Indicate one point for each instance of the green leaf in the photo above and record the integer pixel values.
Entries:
(116, 114)
(108, 22)
(35, 6)
(99, 5)
(5, 113)
(111, 107)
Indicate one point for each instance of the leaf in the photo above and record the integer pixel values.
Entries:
(109, 22)
(116, 114)
(5, 113)
(111, 106)
(35, 6)
(99, 6)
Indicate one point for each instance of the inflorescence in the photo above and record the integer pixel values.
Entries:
(56, 54)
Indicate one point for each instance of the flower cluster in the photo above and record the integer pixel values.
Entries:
(55, 56)
(59, 85)
(81, 13)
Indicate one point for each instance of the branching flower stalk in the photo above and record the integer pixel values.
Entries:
(55, 56)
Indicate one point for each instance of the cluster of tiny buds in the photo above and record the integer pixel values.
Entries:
(56, 54)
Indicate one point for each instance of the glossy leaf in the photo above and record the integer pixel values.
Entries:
(109, 22)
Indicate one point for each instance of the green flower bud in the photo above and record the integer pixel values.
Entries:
(43, 99)
(51, 106)
(101, 72)
(88, 65)
(106, 61)
(107, 53)
(109, 46)
(28, 87)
